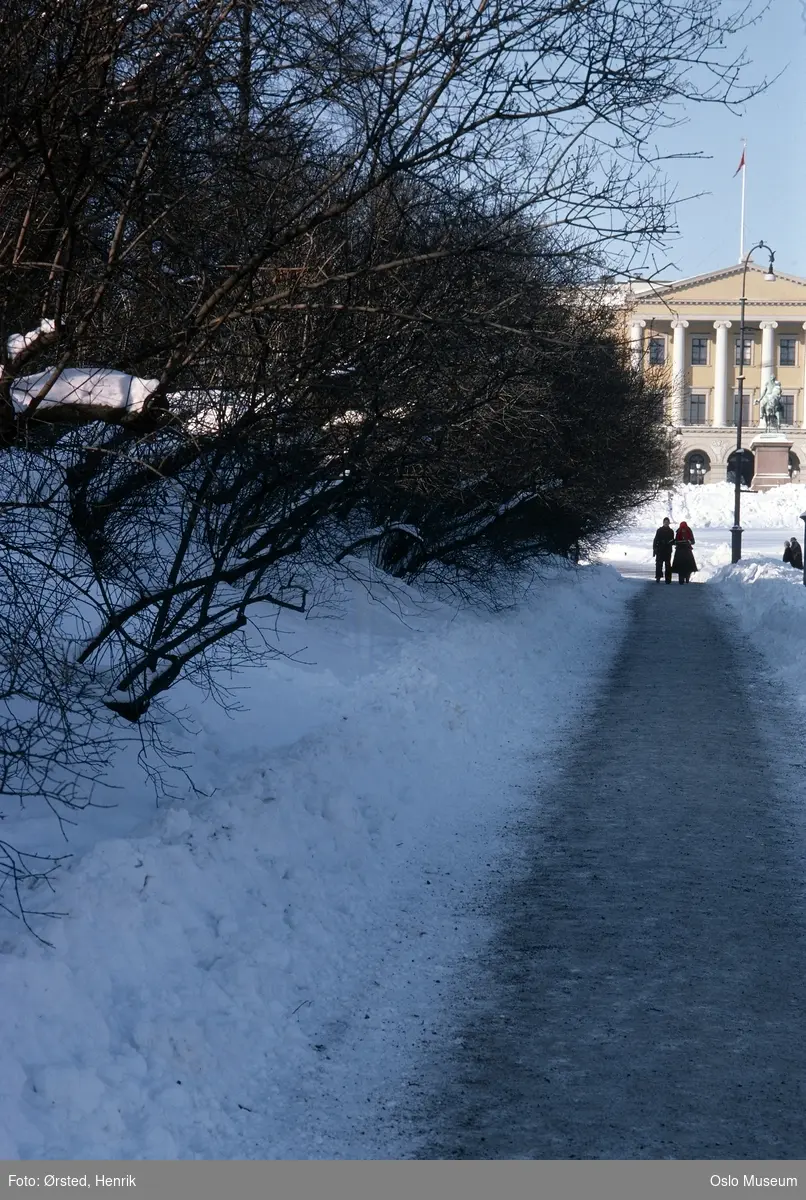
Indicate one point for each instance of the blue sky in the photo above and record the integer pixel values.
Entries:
(775, 127)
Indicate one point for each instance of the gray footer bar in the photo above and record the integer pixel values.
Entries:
(392, 1180)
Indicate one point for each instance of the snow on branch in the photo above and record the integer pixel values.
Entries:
(84, 388)
(43, 335)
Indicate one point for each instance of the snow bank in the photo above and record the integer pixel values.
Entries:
(246, 973)
(705, 505)
(769, 601)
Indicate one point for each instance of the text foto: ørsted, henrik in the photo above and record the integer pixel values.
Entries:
(72, 1181)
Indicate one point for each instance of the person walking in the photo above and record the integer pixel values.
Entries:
(683, 565)
(662, 549)
(795, 554)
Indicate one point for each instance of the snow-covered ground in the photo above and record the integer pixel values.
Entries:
(768, 520)
(249, 970)
(248, 973)
(765, 598)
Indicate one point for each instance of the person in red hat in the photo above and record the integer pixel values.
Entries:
(683, 564)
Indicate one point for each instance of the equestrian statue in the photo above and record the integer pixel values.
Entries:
(771, 406)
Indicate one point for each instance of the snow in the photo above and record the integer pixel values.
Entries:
(705, 505)
(96, 387)
(767, 518)
(401, 527)
(18, 342)
(250, 969)
(350, 416)
(204, 412)
(765, 599)
(247, 971)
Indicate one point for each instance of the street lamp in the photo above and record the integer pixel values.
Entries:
(736, 531)
(672, 437)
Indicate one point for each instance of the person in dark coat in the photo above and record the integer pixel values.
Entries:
(788, 552)
(683, 565)
(795, 554)
(662, 549)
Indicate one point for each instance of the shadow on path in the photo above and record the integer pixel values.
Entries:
(645, 997)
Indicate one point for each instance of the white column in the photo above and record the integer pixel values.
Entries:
(637, 342)
(767, 351)
(678, 370)
(721, 373)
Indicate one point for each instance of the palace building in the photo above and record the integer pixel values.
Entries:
(691, 328)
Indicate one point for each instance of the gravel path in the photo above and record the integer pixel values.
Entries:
(646, 995)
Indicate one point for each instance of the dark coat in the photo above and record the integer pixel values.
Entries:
(684, 563)
(664, 540)
(795, 555)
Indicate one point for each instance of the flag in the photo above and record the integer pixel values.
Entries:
(741, 164)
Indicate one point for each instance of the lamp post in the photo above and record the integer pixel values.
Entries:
(672, 437)
(803, 519)
(736, 531)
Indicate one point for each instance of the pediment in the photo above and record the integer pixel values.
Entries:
(726, 286)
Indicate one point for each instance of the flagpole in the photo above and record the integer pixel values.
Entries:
(741, 227)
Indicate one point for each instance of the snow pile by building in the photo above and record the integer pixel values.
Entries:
(706, 505)
(248, 971)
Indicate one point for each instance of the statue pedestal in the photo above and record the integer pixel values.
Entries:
(771, 452)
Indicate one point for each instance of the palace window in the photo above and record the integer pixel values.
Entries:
(657, 351)
(696, 408)
(789, 407)
(745, 408)
(787, 352)
(699, 351)
(748, 352)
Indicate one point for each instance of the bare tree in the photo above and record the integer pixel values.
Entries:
(158, 160)
(283, 282)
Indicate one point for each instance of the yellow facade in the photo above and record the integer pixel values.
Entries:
(691, 330)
